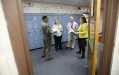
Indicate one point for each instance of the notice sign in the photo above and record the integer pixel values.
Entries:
(92, 32)
(91, 43)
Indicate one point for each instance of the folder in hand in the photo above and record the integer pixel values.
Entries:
(73, 32)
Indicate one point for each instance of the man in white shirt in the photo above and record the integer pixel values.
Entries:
(72, 25)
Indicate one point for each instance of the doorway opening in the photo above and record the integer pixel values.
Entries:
(65, 61)
(20, 45)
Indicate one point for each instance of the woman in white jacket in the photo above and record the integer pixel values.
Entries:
(57, 27)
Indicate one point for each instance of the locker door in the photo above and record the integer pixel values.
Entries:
(31, 39)
(67, 21)
(51, 23)
(32, 29)
(39, 31)
(36, 31)
(63, 25)
(29, 30)
(34, 26)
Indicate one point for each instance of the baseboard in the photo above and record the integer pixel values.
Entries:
(42, 47)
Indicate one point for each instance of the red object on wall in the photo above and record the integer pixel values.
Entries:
(99, 38)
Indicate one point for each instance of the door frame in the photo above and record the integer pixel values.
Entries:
(108, 34)
(109, 24)
(25, 39)
(17, 30)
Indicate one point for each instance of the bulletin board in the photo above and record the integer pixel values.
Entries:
(92, 34)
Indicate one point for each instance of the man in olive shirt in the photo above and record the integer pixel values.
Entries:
(47, 38)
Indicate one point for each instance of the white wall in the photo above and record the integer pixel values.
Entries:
(101, 21)
(7, 61)
(41, 7)
(115, 57)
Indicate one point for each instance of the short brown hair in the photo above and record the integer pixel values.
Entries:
(44, 17)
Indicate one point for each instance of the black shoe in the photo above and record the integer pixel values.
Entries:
(78, 52)
(82, 57)
(50, 58)
(56, 49)
(60, 48)
(42, 56)
(67, 47)
(72, 48)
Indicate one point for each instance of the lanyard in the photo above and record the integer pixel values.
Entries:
(71, 25)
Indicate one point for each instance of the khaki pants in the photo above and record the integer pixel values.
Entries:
(73, 38)
(47, 46)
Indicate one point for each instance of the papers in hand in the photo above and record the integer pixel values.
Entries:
(73, 32)
(54, 30)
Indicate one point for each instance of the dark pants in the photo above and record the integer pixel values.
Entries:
(46, 49)
(58, 44)
(82, 44)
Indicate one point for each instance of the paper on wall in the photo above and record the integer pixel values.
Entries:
(75, 7)
(54, 10)
(73, 11)
(48, 10)
(67, 7)
(31, 9)
(71, 7)
(37, 4)
(64, 11)
(38, 10)
(64, 7)
(45, 5)
(59, 11)
(28, 10)
(43, 10)
(57, 6)
(69, 11)
(51, 5)
(61, 6)
(30, 4)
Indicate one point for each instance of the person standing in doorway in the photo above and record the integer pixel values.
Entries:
(57, 35)
(83, 35)
(47, 38)
(72, 25)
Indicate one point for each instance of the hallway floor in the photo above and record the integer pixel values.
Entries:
(65, 62)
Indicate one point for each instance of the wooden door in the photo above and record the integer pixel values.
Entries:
(93, 22)
(108, 33)
(16, 28)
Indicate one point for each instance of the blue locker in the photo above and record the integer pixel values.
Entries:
(51, 23)
(31, 41)
(65, 28)
(40, 35)
(33, 22)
